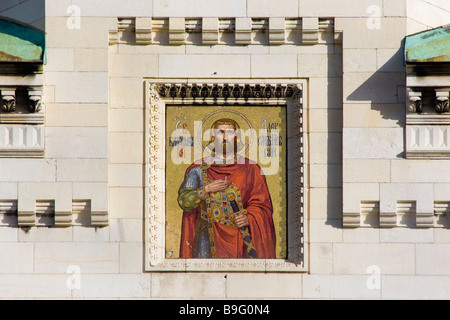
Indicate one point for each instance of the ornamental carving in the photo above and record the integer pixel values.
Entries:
(442, 102)
(18, 101)
(226, 91)
(8, 102)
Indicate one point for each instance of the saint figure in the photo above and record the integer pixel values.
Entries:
(227, 209)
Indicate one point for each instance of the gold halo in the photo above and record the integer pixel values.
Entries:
(231, 114)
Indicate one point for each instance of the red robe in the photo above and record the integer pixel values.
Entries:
(255, 199)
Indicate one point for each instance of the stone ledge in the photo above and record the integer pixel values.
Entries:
(211, 30)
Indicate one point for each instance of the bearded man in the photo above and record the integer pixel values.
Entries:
(227, 209)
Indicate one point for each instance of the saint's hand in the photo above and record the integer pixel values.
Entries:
(242, 221)
(217, 185)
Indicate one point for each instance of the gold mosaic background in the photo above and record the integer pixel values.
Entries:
(183, 118)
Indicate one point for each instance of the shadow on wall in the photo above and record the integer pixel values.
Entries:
(334, 140)
(28, 12)
(385, 91)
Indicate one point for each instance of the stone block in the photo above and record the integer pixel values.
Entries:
(126, 93)
(415, 287)
(104, 286)
(91, 60)
(89, 257)
(324, 231)
(131, 258)
(131, 65)
(391, 259)
(210, 31)
(90, 234)
(325, 148)
(28, 170)
(325, 93)
(220, 66)
(34, 235)
(325, 120)
(197, 285)
(17, 258)
(34, 286)
(320, 65)
(361, 235)
(79, 87)
(83, 170)
(374, 115)
(126, 230)
(378, 88)
(330, 8)
(8, 190)
(277, 32)
(243, 31)
(76, 115)
(114, 8)
(373, 143)
(421, 194)
(270, 8)
(96, 192)
(9, 234)
(355, 193)
(361, 170)
(310, 31)
(407, 235)
(60, 60)
(85, 143)
(30, 192)
(321, 261)
(420, 171)
(432, 259)
(220, 49)
(393, 8)
(273, 66)
(370, 32)
(325, 203)
(126, 203)
(196, 8)
(88, 32)
(322, 176)
(360, 60)
(126, 120)
(263, 286)
(126, 175)
(338, 287)
(390, 60)
(126, 147)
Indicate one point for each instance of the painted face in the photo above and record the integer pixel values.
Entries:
(225, 139)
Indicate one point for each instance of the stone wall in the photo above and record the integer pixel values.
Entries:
(95, 141)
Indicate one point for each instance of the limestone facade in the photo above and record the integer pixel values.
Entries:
(78, 219)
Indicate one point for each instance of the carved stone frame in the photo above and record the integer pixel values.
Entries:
(288, 92)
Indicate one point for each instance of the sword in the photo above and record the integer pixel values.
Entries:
(251, 251)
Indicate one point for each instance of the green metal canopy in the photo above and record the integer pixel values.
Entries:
(19, 43)
(428, 46)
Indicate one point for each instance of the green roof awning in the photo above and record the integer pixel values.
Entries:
(428, 46)
(19, 43)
